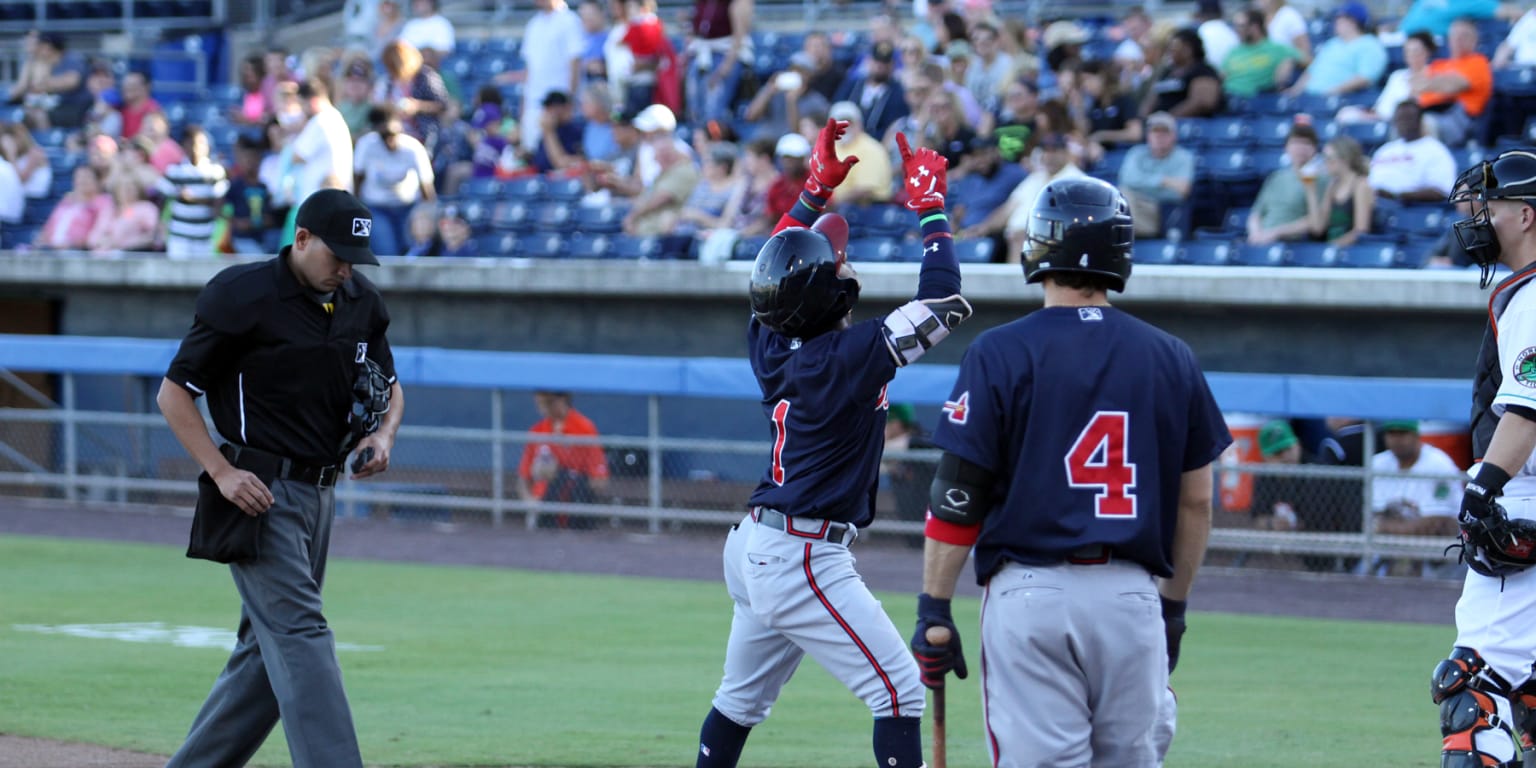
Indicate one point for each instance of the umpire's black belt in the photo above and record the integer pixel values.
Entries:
(270, 465)
(837, 533)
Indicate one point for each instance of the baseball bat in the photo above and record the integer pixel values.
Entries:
(938, 636)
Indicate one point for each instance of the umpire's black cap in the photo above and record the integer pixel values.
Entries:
(342, 222)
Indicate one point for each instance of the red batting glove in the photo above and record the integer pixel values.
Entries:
(923, 176)
(827, 171)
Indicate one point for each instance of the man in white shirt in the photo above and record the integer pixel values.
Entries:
(1055, 162)
(393, 172)
(1414, 505)
(13, 203)
(322, 152)
(552, 46)
(1519, 48)
(1414, 167)
(1218, 37)
(429, 30)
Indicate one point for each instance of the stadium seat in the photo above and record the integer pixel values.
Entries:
(1225, 131)
(1227, 164)
(513, 216)
(1205, 253)
(497, 244)
(1270, 130)
(1268, 161)
(553, 217)
(1373, 255)
(53, 137)
(529, 189)
(975, 250)
(1313, 255)
(1370, 135)
(1265, 104)
(910, 251)
(635, 248)
(1415, 253)
(478, 214)
(882, 220)
(1236, 219)
(873, 249)
(1419, 219)
(1108, 166)
(540, 246)
(1155, 252)
(746, 248)
(1515, 83)
(587, 246)
(607, 219)
(566, 189)
(486, 188)
(1273, 255)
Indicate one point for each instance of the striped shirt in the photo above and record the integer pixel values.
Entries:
(206, 184)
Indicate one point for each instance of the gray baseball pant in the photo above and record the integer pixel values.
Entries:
(284, 662)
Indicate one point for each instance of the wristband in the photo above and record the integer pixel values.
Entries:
(1173, 609)
(1490, 479)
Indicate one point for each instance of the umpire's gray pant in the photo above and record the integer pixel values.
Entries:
(284, 662)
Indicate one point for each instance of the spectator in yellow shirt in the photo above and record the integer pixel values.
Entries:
(869, 181)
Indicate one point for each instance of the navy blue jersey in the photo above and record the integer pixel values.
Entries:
(825, 402)
(1088, 418)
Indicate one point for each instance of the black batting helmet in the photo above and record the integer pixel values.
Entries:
(1509, 176)
(1079, 225)
(797, 287)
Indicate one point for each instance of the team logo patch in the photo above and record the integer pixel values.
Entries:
(1525, 367)
(362, 352)
(362, 227)
(1090, 314)
(884, 401)
(959, 409)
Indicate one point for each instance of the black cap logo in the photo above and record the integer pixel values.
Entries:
(362, 227)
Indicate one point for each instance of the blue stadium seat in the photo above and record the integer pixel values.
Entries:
(1415, 253)
(1205, 252)
(606, 219)
(1192, 130)
(1370, 135)
(1155, 252)
(497, 244)
(1225, 131)
(529, 189)
(53, 137)
(459, 66)
(491, 65)
(636, 248)
(873, 249)
(554, 217)
(504, 44)
(15, 236)
(1515, 82)
(565, 190)
(1420, 219)
(1236, 219)
(1270, 130)
(883, 220)
(1108, 166)
(588, 246)
(487, 188)
(975, 250)
(513, 216)
(478, 214)
(910, 251)
(746, 248)
(1265, 104)
(1372, 255)
(1313, 255)
(541, 246)
(1226, 165)
(1267, 161)
(1273, 255)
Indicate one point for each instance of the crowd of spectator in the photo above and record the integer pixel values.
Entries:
(692, 133)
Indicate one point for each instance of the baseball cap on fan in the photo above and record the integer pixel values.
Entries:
(342, 222)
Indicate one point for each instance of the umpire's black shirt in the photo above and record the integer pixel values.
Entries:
(277, 366)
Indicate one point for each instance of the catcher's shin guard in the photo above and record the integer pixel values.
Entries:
(1478, 721)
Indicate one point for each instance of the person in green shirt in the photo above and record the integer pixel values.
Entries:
(1258, 64)
(1280, 211)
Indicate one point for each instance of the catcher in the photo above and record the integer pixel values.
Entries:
(1485, 689)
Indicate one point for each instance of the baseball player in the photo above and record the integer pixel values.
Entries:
(1078, 445)
(787, 563)
(1485, 689)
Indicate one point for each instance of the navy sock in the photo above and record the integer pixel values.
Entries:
(899, 742)
(720, 741)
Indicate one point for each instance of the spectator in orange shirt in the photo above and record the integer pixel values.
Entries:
(1455, 90)
(562, 472)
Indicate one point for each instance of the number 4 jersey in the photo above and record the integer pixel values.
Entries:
(1088, 418)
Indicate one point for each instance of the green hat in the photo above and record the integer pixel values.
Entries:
(1400, 425)
(1275, 437)
(903, 413)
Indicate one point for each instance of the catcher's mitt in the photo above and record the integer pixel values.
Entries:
(1496, 545)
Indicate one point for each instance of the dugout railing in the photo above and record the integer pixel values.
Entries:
(61, 437)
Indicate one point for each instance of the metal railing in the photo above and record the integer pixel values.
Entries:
(470, 473)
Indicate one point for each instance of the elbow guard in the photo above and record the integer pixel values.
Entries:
(961, 492)
(918, 325)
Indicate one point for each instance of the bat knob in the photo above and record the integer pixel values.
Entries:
(937, 635)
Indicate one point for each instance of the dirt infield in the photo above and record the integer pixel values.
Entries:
(887, 564)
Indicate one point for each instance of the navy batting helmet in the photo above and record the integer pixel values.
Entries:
(798, 288)
(1079, 225)
(1509, 176)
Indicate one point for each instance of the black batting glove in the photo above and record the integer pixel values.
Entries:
(935, 661)
(1173, 627)
(1478, 500)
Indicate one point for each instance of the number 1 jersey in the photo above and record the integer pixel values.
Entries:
(1087, 417)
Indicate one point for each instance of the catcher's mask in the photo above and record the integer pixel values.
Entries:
(1509, 176)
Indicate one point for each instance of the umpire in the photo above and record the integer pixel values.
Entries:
(292, 355)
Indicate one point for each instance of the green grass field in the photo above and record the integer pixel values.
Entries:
(485, 667)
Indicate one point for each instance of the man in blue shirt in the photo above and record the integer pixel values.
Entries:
(1352, 60)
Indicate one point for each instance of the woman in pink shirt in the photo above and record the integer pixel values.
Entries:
(166, 152)
(133, 224)
(69, 226)
(253, 108)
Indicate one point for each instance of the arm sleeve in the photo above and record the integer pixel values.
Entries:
(1517, 360)
(940, 274)
(972, 418)
(211, 349)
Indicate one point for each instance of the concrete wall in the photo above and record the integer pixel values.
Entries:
(1345, 322)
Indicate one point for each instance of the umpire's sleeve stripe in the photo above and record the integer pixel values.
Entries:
(195, 388)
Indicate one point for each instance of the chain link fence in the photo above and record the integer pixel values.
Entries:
(672, 465)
